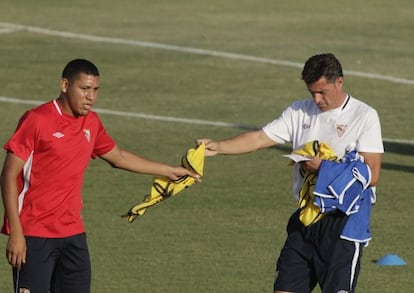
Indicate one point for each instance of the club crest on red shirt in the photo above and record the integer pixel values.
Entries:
(87, 134)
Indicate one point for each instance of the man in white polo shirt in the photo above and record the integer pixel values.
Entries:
(315, 254)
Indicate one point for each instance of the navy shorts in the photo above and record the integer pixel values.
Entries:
(56, 265)
(317, 255)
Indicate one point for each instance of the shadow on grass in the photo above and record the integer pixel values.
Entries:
(399, 148)
(398, 167)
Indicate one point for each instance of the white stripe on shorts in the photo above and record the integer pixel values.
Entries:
(354, 263)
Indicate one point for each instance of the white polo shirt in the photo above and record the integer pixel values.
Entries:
(353, 123)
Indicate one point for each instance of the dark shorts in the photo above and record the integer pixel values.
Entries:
(317, 255)
(58, 265)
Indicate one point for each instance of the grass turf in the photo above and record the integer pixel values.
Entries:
(223, 235)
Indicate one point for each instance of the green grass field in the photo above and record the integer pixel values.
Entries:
(223, 235)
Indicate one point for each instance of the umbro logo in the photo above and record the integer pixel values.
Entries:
(58, 134)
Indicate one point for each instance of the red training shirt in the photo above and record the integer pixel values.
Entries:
(56, 148)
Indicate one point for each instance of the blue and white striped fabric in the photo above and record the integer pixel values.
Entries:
(344, 186)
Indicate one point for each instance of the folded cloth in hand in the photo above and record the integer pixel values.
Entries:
(163, 188)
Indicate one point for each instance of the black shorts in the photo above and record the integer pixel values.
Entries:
(316, 254)
(56, 265)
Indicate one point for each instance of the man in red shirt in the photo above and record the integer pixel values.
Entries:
(48, 154)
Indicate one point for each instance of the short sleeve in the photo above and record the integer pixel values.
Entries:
(23, 140)
(370, 140)
(104, 143)
(280, 130)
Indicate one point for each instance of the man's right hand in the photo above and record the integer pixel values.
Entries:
(211, 146)
(16, 250)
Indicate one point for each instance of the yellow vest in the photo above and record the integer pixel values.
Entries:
(310, 213)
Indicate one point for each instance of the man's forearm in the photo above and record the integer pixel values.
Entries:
(245, 143)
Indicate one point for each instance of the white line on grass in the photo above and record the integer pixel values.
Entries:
(7, 30)
(170, 118)
(134, 114)
(191, 50)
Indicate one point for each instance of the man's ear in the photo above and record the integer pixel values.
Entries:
(339, 81)
(64, 85)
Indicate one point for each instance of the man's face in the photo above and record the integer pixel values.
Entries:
(81, 93)
(327, 95)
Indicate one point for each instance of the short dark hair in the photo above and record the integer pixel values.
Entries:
(323, 65)
(78, 66)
